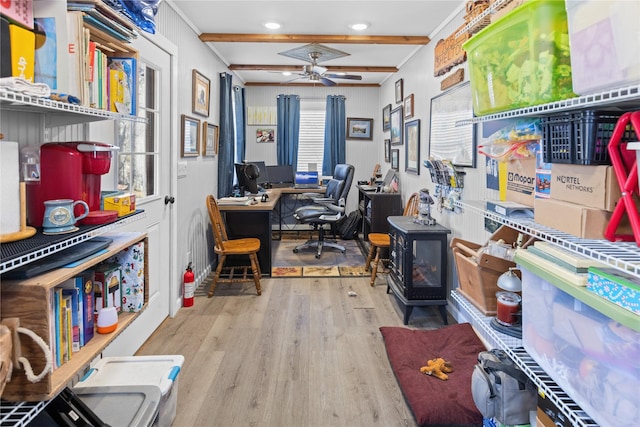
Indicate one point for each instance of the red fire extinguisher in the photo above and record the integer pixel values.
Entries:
(188, 287)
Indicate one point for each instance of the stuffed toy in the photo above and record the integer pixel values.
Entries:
(438, 367)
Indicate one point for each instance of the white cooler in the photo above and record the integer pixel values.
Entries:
(161, 371)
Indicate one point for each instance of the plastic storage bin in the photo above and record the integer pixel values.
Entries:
(605, 44)
(581, 138)
(130, 406)
(161, 371)
(593, 358)
(522, 59)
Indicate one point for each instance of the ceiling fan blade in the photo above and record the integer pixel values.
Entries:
(327, 82)
(318, 69)
(343, 76)
(302, 76)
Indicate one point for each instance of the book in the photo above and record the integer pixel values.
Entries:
(116, 90)
(23, 44)
(74, 54)
(57, 343)
(84, 282)
(46, 53)
(127, 68)
(70, 290)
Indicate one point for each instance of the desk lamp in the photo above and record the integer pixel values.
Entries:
(508, 316)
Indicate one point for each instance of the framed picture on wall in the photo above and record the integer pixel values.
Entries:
(265, 135)
(387, 150)
(399, 89)
(201, 91)
(408, 107)
(412, 153)
(359, 128)
(386, 118)
(395, 159)
(396, 126)
(209, 139)
(190, 136)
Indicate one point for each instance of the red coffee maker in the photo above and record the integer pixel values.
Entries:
(71, 170)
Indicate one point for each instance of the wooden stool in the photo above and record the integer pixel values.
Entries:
(380, 241)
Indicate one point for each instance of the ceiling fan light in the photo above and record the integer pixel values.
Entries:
(286, 73)
(360, 26)
(272, 25)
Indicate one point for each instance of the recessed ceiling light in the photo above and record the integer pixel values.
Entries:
(359, 26)
(286, 73)
(272, 25)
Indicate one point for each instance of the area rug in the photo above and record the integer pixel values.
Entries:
(435, 402)
(332, 263)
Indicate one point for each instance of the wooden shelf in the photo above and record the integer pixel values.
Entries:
(30, 301)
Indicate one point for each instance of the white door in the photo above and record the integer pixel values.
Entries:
(144, 167)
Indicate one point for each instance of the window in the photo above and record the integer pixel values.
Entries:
(311, 142)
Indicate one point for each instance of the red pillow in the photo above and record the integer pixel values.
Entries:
(435, 402)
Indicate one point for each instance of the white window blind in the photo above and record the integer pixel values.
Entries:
(311, 141)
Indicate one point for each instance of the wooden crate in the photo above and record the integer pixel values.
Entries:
(478, 275)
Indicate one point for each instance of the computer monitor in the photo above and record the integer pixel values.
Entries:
(280, 174)
(247, 175)
(264, 174)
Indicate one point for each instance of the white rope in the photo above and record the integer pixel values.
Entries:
(47, 354)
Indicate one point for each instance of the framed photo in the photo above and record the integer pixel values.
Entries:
(408, 107)
(359, 128)
(386, 118)
(446, 140)
(190, 136)
(396, 126)
(387, 150)
(399, 96)
(412, 153)
(209, 139)
(265, 135)
(201, 87)
(395, 159)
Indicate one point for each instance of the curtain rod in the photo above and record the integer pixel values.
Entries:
(314, 99)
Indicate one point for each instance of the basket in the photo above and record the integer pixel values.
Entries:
(478, 274)
(580, 138)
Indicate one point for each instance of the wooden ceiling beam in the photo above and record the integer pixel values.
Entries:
(332, 69)
(312, 38)
(311, 84)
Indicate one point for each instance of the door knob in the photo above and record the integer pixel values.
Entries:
(168, 200)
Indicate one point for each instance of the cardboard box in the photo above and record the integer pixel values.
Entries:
(581, 221)
(521, 181)
(593, 186)
(124, 204)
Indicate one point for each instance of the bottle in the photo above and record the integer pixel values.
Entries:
(30, 161)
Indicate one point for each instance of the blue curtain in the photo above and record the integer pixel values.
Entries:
(288, 129)
(335, 135)
(241, 122)
(226, 138)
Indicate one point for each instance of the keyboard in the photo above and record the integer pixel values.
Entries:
(282, 185)
(368, 187)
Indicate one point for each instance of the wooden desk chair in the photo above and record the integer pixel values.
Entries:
(223, 247)
(380, 241)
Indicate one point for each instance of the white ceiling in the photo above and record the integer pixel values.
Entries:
(312, 17)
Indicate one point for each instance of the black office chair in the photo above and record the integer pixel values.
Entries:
(327, 209)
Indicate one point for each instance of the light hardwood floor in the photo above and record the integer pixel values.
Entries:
(303, 354)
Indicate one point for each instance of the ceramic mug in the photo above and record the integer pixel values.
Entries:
(59, 216)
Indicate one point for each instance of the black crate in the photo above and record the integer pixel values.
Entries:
(580, 138)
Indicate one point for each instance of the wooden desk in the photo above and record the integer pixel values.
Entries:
(253, 221)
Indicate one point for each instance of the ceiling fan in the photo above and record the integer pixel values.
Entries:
(312, 53)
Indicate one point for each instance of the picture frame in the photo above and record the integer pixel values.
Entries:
(359, 128)
(412, 152)
(448, 141)
(396, 125)
(201, 91)
(395, 159)
(386, 118)
(209, 139)
(399, 91)
(408, 107)
(265, 135)
(189, 136)
(387, 150)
